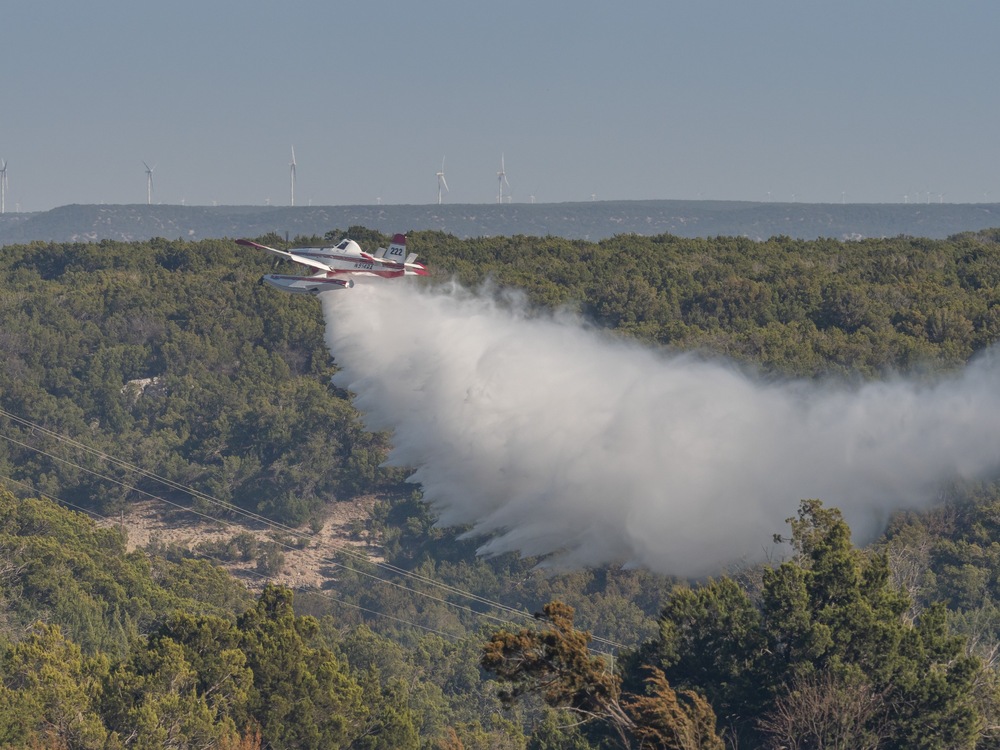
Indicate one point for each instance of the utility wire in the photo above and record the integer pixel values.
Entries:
(229, 524)
(343, 549)
(220, 561)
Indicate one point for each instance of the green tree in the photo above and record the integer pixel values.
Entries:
(710, 637)
(49, 693)
(153, 700)
(553, 733)
(832, 636)
(302, 695)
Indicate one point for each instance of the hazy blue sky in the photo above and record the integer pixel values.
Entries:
(856, 100)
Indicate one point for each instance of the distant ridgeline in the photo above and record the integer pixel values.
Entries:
(594, 221)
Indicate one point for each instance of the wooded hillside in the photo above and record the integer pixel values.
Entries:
(170, 358)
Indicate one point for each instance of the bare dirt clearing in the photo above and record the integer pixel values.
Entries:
(306, 554)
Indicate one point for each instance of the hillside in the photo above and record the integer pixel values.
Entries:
(592, 220)
(161, 374)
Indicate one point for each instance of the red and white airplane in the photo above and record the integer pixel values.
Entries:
(337, 264)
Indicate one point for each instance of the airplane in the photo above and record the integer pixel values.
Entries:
(337, 264)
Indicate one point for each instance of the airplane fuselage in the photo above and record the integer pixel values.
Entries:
(335, 267)
(347, 258)
(349, 264)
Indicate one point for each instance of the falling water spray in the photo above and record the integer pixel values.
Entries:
(550, 437)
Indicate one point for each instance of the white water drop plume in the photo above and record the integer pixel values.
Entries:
(552, 438)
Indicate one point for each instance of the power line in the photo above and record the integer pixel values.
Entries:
(344, 549)
(219, 561)
(233, 525)
(274, 525)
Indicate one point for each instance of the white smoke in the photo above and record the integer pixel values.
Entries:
(550, 437)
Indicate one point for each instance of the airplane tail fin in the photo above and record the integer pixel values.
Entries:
(397, 248)
(396, 252)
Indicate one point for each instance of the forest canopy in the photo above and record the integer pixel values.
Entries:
(171, 358)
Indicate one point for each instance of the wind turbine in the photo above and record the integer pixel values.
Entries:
(149, 183)
(441, 181)
(3, 186)
(501, 181)
(291, 169)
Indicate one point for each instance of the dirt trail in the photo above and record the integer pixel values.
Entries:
(148, 521)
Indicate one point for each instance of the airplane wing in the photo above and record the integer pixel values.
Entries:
(286, 255)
